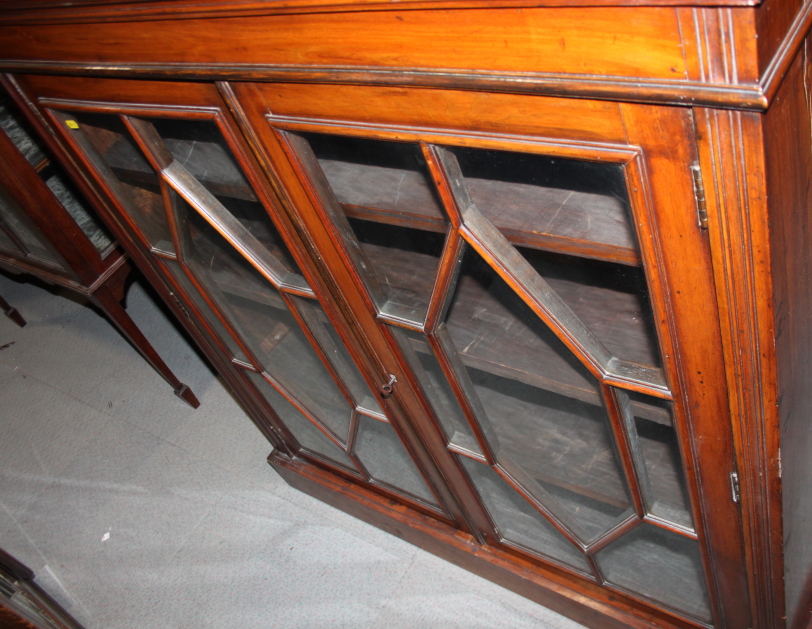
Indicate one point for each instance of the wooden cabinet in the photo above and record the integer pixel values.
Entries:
(521, 283)
(48, 230)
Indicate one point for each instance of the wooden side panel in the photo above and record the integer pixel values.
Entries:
(591, 41)
(788, 150)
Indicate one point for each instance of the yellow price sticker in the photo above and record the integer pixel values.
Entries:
(72, 124)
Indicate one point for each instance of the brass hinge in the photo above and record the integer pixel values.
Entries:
(699, 193)
(734, 486)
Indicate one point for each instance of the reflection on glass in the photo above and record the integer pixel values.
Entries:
(192, 294)
(544, 201)
(543, 411)
(657, 450)
(108, 144)
(307, 434)
(518, 521)
(336, 353)
(434, 384)
(393, 214)
(84, 216)
(611, 299)
(379, 448)
(15, 219)
(261, 318)
(659, 565)
(16, 127)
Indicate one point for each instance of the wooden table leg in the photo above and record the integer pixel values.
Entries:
(106, 300)
(12, 313)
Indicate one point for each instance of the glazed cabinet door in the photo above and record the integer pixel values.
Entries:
(536, 274)
(184, 189)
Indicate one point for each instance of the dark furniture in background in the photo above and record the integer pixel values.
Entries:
(522, 282)
(25, 605)
(48, 230)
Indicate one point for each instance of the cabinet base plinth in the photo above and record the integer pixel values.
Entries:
(576, 599)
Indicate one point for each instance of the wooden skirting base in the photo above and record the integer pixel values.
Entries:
(546, 586)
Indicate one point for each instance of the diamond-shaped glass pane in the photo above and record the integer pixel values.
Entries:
(542, 411)
(611, 299)
(379, 448)
(262, 319)
(552, 203)
(650, 424)
(192, 294)
(336, 353)
(307, 434)
(659, 565)
(393, 218)
(108, 145)
(434, 384)
(518, 521)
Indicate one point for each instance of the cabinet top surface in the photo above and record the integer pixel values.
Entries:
(114, 10)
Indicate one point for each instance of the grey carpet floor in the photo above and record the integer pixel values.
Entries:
(136, 511)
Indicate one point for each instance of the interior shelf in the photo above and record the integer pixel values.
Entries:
(581, 223)
(207, 162)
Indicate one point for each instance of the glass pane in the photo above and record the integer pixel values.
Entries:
(335, 351)
(611, 299)
(261, 318)
(16, 127)
(652, 428)
(7, 243)
(201, 149)
(203, 167)
(544, 202)
(393, 213)
(84, 216)
(16, 220)
(306, 433)
(255, 219)
(434, 384)
(194, 296)
(660, 565)
(376, 177)
(380, 450)
(542, 410)
(519, 522)
(108, 144)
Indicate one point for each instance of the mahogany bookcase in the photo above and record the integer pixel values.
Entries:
(524, 282)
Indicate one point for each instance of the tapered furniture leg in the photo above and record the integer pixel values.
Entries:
(12, 313)
(104, 299)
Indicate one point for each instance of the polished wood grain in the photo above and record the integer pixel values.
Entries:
(531, 40)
